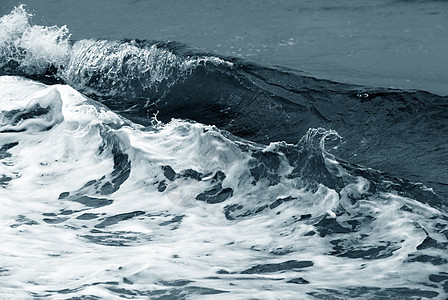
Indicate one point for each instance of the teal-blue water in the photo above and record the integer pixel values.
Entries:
(246, 149)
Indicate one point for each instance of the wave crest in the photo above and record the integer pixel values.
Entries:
(106, 68)
(128, 67)
(31, 49)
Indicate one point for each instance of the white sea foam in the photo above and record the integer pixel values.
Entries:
(54, 244)
(34, 48)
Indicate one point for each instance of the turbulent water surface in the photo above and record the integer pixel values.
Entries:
(151, 169)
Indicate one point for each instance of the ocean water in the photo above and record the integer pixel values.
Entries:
(194, 150)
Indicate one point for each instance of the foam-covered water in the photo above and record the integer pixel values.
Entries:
(111, 202)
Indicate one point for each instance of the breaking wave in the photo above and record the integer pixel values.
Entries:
(234, 188)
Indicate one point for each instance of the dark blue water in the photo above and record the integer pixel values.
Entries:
(329, 118)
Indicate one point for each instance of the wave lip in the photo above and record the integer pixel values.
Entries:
(137, 68)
